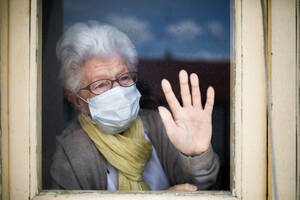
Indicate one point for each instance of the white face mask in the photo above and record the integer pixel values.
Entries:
(115, 110)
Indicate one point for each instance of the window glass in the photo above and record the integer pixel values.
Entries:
(169, 36)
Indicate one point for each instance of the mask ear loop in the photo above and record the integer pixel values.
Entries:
(86, 115)
(82, 99)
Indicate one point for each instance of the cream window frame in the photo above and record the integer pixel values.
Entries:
(21, 106)
(284, 59)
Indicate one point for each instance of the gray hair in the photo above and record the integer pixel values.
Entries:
(85, 40)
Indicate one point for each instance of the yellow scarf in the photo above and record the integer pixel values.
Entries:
(128, 153)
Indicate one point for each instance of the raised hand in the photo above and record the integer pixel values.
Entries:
(189, 127)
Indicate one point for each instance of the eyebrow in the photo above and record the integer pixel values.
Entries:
(124, 70)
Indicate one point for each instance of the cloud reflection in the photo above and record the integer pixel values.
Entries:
(137, 30)
(184, 30)
(215, 28)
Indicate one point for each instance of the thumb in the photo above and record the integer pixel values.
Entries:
(167, 119)
(184, 188)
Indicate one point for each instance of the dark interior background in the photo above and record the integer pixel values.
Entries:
(156, 61)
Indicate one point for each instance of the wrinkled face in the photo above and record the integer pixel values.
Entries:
(95, 69)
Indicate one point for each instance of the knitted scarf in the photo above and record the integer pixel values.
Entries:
(128, 153)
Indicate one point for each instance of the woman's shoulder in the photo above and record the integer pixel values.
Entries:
(152, 124)
(149, 114)
(73, 135)
(77, 163)
(150, 117)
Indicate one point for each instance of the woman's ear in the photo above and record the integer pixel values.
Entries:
(73, 99)
(77, 102)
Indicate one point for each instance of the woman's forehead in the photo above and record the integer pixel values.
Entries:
(96, 68)
(105, 62)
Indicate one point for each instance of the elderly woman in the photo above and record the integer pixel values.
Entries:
(113, 144)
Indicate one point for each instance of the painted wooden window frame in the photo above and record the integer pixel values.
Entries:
(21, 105)
(284, 73)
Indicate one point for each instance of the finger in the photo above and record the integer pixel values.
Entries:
(184, 88)
(167, 120)
(210, 98)
(196, 94)
(170, 96)
(184, 188)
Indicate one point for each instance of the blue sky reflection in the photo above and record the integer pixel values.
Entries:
(184, 30)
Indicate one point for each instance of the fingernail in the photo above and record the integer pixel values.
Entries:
(193, 187)
(164, 83)
(182, 70)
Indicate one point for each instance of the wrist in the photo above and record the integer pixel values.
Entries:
(197, 152)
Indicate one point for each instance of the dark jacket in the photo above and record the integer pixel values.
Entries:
(78, 165)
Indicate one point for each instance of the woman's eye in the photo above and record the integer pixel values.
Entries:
(124, 78)
(101, 85)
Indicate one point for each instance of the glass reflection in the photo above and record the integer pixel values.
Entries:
(169, 36)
